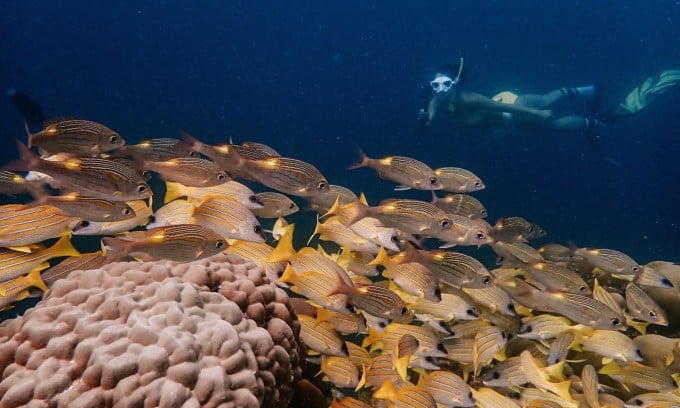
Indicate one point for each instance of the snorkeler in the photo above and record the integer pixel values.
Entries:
(447, 99)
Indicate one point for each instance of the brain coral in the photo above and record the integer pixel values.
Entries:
(211, 333)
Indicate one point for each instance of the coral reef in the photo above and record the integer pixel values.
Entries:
(211, 333)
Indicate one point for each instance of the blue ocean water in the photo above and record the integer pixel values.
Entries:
(317, 80)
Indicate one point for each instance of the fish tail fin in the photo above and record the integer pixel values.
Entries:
(363, 161)
(401, 364)
(562, 390)
(29, 134)
(284, 249)
(410, 254)
(189, 140)
(318, 229)
(172, 191)
(356, 211)
(27, 161)
(34, 278)
(362, 380)
(381, 258)
(64, 247)
(341, 287)
(289, 275)
(116, 247)
(385, 391)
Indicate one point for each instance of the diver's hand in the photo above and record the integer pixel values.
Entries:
(422, 115)
(544, 114)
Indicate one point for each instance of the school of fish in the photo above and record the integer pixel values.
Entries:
(390, 314)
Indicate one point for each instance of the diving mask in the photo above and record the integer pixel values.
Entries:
(442, 83)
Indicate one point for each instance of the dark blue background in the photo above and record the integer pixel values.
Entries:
(317, 79)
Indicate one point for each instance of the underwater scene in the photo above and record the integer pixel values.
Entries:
(345, 204)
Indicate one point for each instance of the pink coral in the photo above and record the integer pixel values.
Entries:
(154, 334)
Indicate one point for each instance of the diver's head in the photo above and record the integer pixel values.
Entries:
(445, 78)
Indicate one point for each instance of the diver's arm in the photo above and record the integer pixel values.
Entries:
(480, 101)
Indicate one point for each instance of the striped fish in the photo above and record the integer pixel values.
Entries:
(457, 269)
(173, 213)
(142, 212)
(17, 289)
(641, 306)
(94, 260)
(90, 176)
(225, 156)
(274, 205)
(320, 337)
(75, 136)
(488, 398)
(447, 388)
(188, 171)
(405, 171)
(288, 176)
(228, 218)
(257, 253)
(450, 307)
(609, 260)
(413, 277)
(407, 396)
(340, 371)
(14, 264)
(159, 149)
(460, 204)
(458, 180)
(231, 189)
(255, 151)
(322, 203)
(32, 225)
(559, 348)
(334, 231)
(489, 341)
(179, 243)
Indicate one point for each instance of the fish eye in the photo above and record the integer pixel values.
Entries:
(221, 176)
(382, 325)
(114, 139)
(84, 224)
(511, 307)
(616, 322)
(322, 185)
(483, 212)
(219, 244)
(394, 238)
(194, 154)
(438, 293)
(142, 188)
(433, 180)
(257, 229)
(527, 329)
(496, 375)
(638, 402)
(652, 313)
(445, 223)
(639, 353)
(404, 310)
(480, 235)
(126, 211)
(471, 312)
(636, 269)
(582, 288)
(146, 175)
(291, 205)
(486, 280)
(470, 396)
(252, 199)
(478, 184)
(531, 228)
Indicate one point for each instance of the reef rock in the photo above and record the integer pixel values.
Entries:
(212, 333)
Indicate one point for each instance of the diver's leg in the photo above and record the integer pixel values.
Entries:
(554, 96)
(540, 101)
(575, 123)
